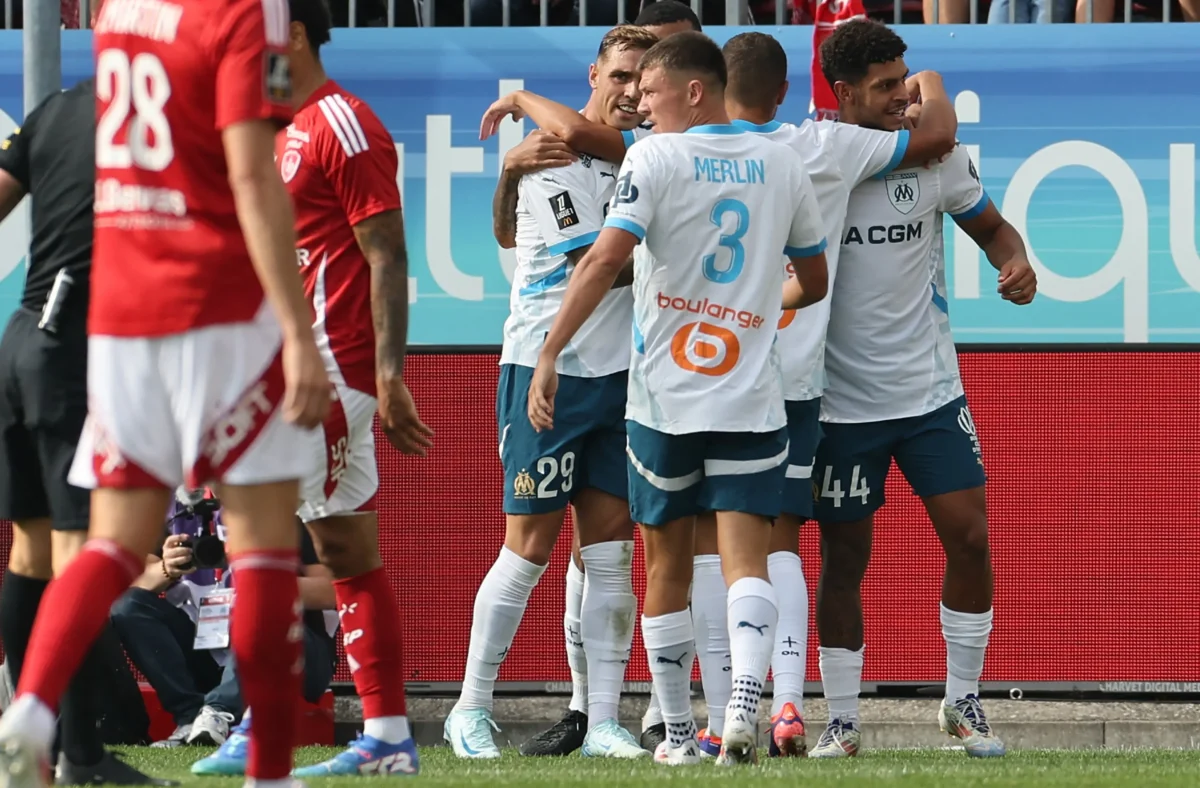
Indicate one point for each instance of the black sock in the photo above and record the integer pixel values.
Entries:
(19, 600)
(83, 703)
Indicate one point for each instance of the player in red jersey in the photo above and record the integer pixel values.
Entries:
(202, 364)
(339, 164)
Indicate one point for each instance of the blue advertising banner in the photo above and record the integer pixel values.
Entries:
(1084, 135)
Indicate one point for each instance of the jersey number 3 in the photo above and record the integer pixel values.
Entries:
(729, 270)
(136, 92)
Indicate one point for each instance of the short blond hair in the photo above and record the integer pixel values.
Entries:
(624, 37)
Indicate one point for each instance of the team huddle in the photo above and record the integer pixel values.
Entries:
(790, 340)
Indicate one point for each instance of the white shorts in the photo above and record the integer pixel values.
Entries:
(345, 477)
(191, 408)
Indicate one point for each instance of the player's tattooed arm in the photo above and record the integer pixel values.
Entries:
(381, 239)
(594, 139)
(504, 209)
(936, 126)
(1005, 250)
(541, 150)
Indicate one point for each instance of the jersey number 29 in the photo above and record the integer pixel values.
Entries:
(136, 92)
(726, 272)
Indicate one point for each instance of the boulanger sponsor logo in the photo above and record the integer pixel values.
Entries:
(705, 349)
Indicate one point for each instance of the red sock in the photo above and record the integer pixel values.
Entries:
(267, 639)
(371, 627)
(74, 609)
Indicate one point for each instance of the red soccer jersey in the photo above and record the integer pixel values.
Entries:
(339, 163)
(170, 77)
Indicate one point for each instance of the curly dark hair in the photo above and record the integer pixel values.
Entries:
(850, 51)
(667, 12)
(314, 15)
(757, 67)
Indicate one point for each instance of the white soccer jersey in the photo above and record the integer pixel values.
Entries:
(890, 354)
(558, 211)
(837, 157)
(716, 207)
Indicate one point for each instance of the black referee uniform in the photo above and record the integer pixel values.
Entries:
(43, 400)
(43, 354)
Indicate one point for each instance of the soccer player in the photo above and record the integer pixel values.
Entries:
(563, 131)
(837, 157)
(201, 358)
(339, 165)
(706, 423)
(43, 363)
(581, 461)
(894, 392)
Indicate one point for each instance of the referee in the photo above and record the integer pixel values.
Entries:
(43, 403)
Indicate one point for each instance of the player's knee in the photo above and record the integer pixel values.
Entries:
(968, 540)
(345, 547)
(30, 555)
(532, 536)
(845, 553)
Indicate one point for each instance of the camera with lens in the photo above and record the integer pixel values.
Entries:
(208, 550)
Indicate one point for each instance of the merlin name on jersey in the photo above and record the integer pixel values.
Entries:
(883, 234)
(730, 170)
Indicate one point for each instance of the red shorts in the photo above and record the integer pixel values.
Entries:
(193, 408)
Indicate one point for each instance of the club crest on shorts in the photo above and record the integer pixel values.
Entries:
(289, 165)
(523, 486)
(903, 190)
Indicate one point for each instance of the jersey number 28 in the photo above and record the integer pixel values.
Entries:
(136, 92)
(727, 271)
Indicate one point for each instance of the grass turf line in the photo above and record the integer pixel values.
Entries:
(909, 768)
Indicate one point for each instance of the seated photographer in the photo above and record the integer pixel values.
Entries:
(174, 623)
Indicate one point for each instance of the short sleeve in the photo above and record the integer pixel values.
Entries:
(253, 81)
(633, 135)
(962, 193)
(14, 151)
(565, 206)
(359, 159)
(807, 234)
(867, 153)
(633, 201)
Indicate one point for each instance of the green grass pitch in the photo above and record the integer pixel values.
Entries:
(911, 768)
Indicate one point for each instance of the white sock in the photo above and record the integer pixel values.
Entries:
(753, 619)
(30, 721)
(392, 730)
(499, 606)
(576, 656)
(670, 649)
(653, 715)
(966, 636)
(841, 677)
(791, 637)
(609, 607)
(709, 609)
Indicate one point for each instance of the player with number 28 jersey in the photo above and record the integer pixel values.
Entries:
(202, 364)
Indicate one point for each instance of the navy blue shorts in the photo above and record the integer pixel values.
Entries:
(674, 476)
(804, 433)
(586, 448)
(938, 453)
